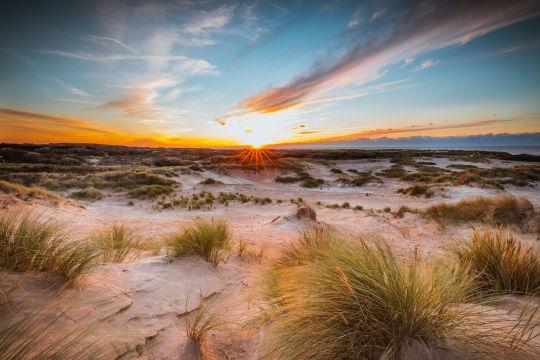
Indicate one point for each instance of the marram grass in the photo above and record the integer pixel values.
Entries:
(115, 242)
(352, 301)
(499, 262)
(33, 192)
(211, 239)
(32, 243)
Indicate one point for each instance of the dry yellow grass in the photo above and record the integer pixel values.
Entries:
(33, 192)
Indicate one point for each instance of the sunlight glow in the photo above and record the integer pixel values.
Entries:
(261, 129)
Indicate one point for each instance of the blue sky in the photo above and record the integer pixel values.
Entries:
(206, 73)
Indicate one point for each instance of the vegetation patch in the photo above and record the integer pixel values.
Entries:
(501, 210)
(499, 263)
(332, 299)
(150, 191)
(417, 190)
(115, 243)
(210, 181)
(89, 194)
(361, 179)
(504, 210)
(210, 239)
(206, 200)
(32, 243)
(33, 192)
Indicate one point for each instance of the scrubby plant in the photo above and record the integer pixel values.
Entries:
(150, 191)
(499, 262)
(33, 192)
(500, 210)
(32, 243)
(210, 181)
(211, 239)
(115, 242)
(352, 301)
(90, 193)
(417, 190)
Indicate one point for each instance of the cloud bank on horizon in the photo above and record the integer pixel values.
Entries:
(169, 73)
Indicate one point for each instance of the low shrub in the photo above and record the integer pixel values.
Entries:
(417, 190)
(210, 181)
(150, 191)
(501, 210)
(90, 194)
(208, 238)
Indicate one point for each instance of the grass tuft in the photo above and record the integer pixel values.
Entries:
(33, 192)
(309, 246)
(501, 210)
(352, 301)
(115, 242)
(208, 238)
(499, 263)
(150, 191)
(32, 243)
(90, 194)
(198, 328)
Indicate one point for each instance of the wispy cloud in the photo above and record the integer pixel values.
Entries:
(70, 88)
(434, 127)
(17, 117)
(407, 62)
(416, 29)
(426, 64)
(81, 101)
(105, 40)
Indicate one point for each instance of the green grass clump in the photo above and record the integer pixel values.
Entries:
(32, 243)
(210, 181)
(351, 301)
(115, 242)
(501, 210)
(499, 262)
(208, 238)
(309, 246)
(89, 194)
(33, 192)
(200, 325)
(150, 191)
(417, 190)
(125, 179)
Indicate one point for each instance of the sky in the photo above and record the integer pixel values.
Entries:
(233, 73)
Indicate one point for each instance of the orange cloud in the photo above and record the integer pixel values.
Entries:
(416, 29)
(439, 130)
(17, 125)
(22, 119)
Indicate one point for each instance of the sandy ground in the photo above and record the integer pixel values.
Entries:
(139, 308)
